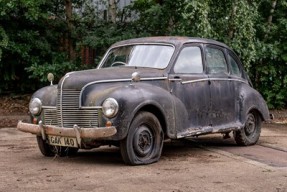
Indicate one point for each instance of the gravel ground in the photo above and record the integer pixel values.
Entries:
(184, 166)
(204, 164)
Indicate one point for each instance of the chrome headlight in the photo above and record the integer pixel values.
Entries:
(35, 106)
(110, 107)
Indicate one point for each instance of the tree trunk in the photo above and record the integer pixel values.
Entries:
(274, 3)
(70, 44)
(112, 10)
(270, 18)
(231, 25)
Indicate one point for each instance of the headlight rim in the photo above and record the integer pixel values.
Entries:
(37, 104)
(116, 109)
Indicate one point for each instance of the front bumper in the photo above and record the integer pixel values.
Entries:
(77, 132)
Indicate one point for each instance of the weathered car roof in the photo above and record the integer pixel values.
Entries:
(175, 40)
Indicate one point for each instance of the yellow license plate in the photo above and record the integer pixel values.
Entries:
(62, 141)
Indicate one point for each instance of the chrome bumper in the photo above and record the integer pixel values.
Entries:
(77, 132)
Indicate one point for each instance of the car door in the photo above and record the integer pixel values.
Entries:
(222, 92)
(238, 79)
(190, 87)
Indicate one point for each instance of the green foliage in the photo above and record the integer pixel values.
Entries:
(196, 19)
(59, 66)
(241, 24)
(104, 34)
(3, 40)
(269, 70)
(157, 19)
(20, 33)
(33, 36)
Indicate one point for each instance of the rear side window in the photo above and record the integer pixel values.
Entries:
(189, 61)
(234, 68)
(215, 60)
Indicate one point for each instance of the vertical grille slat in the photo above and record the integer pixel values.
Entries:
(50, 117)
(67, 112)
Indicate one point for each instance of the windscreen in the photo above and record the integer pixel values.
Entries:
(152, 56)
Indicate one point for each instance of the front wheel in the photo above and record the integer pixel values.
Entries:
(50, 150)
(143, 144)
(250, 133)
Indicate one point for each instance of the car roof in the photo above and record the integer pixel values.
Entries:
(175, 40)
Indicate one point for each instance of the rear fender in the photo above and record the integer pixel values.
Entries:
(251, 99)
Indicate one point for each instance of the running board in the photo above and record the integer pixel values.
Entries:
(209, 129)
(193, 132)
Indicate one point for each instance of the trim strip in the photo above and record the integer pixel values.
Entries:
(85, 107)
(49, 107)
(213, 79)
(115, 80)
(61, 97)
(91, 107)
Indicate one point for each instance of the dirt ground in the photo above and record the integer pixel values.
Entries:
(13, 109)
(206, 163)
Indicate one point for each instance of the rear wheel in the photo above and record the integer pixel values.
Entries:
(50, 150)
(250, 133)
(143, 144)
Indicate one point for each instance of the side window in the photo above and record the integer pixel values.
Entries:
(234, 68)
(189, 61)
(215, 60)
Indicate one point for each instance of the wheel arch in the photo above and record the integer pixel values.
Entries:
(157, 112)
(255, 109)
(250, 131)
(249, 100)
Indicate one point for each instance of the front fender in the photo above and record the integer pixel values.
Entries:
(48, 95)
(132, 98)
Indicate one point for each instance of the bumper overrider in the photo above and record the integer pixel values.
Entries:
(76, 132)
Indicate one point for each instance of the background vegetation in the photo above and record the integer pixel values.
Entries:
(37, 37)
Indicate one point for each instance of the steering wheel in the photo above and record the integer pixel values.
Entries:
(118, 63)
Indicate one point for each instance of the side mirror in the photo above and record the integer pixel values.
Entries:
(50, 78)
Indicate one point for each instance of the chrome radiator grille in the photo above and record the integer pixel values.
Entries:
(50, 116)
(67, 112)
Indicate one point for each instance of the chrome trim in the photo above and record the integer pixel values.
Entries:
(75, 131)
(61, 97)
(194, 81)
(99, 81)
(175, 79)
(42, 130)
(153, 78)
(115, 80)
(50, 116)
(49, 107)
(71, 113)
(213, 79)
(91, 107)
(227, 79)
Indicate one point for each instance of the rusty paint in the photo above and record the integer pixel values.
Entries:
(186, 104)
(93, 133)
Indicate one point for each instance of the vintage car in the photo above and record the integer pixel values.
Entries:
(144, 91)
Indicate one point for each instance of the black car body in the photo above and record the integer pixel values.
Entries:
(146, 90)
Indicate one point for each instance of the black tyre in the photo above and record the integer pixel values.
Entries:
(143, 144)
(250, 134)
(50, 150)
